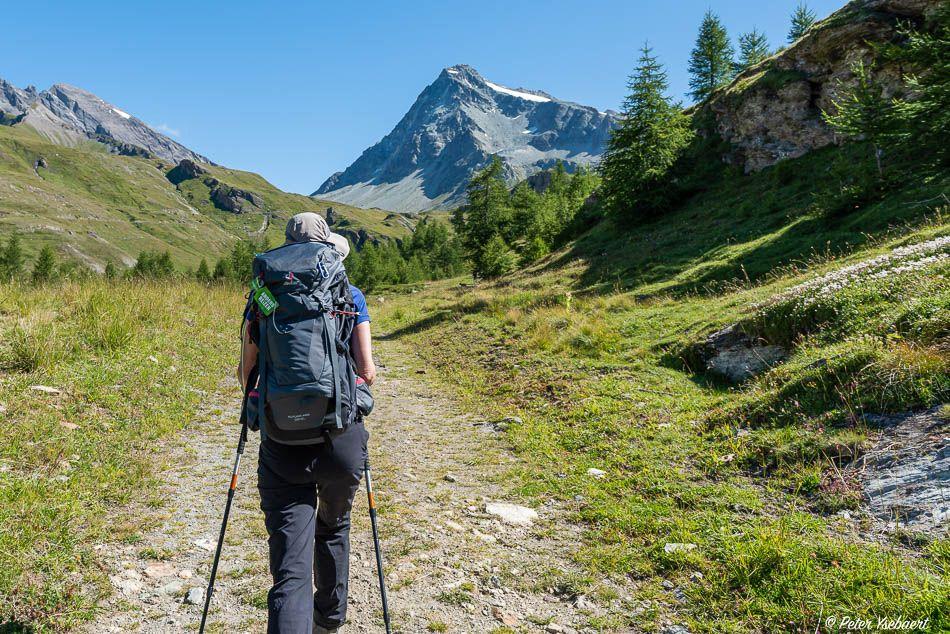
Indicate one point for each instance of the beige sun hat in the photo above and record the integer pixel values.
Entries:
(312, 227)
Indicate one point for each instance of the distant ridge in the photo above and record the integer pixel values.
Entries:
(453, 128)
(68, 115)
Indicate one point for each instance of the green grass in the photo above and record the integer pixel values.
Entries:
(131, 362)
(93, 207)
(582, 348)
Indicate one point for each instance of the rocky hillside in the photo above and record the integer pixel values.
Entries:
(452, 129)
(95, 207)
(67, 115)
(773, 110)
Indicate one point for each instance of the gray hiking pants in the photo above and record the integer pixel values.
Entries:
(306, 495)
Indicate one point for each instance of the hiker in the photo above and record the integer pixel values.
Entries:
(307, 490)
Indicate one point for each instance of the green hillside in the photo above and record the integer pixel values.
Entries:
(588, 352)
(726, 495)
(94, 207)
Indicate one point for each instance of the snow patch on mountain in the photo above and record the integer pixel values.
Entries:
(516, 93)
(454, 127)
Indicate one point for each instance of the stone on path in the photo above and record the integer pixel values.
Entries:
(512, 513)
(195, 596)
(173, 588)
(204, 544)
(507, 618)
(159, 569)
(596, 473)
(126, 585)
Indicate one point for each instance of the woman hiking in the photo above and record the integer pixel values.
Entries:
(307, 491)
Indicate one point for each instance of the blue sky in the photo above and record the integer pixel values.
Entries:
(297, 90)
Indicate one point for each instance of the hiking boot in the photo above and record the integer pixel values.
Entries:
(319, 629)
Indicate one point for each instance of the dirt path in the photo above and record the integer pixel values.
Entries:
(452, 566)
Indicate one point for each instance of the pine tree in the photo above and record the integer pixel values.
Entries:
(487, 214)
(221, 270)
(863, 111)
(753, 48)
(495, 259)
(802, 19)
(925, 119)
(12, 259)
(45, 266)
(203, 273)
(711, 62)
(651, 134)
(524, 206)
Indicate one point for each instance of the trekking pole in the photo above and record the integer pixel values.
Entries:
(379, 552)
(252, 380)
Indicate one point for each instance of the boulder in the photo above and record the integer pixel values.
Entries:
(735, 356)
(185, 170)
(904, 475)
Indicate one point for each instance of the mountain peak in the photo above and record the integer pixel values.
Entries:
(454, 127)
(466, 75)
(68, 114)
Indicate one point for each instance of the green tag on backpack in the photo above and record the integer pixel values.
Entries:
(263, 297)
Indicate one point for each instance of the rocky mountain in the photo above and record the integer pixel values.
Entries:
(773, 110)
(453, 128)
(67, 115)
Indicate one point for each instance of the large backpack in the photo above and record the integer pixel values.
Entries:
(307, 383)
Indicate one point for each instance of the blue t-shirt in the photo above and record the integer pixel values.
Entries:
(360, 302)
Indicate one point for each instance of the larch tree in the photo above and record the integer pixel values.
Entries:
(711, 63)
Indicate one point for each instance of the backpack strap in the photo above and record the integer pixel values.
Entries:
(330, 343)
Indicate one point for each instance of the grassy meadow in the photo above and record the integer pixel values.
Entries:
(96, 377)
(93, 207)
(588, 356)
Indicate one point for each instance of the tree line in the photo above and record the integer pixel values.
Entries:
(501, 229)
(431, 252)
(655, 158)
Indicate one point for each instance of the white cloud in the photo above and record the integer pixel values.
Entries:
(164, 128)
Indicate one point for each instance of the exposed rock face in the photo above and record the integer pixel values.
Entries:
(906, 475)
(453, 128)
(233, 199)
(735, 356)
(185, 170)
(13, 100)
(772, 111)
(66, 115)
(358, 238)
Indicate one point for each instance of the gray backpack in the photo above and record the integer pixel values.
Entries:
(307, 383)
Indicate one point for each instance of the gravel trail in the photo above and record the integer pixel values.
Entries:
(452, 566)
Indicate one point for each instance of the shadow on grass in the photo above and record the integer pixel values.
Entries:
(15, 627)
(415, 327)
(436, 318)
(741, 229)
